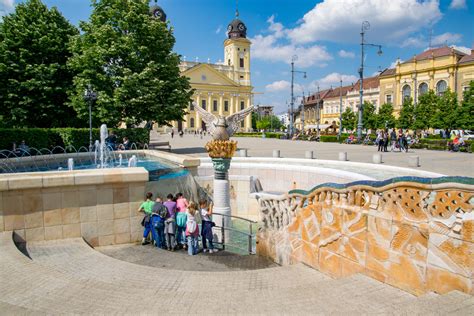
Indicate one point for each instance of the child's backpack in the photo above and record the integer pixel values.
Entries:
(191, 225)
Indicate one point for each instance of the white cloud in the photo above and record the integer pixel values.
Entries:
(283, 85)
(446, 38)
(340, 20)
(6, 6)
(465, 50)
(332, 79)
(219, 29)
(345, 54)
(458, 4)
(271, 48)
(438, 40)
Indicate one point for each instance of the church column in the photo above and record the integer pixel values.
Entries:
(198, 117)
(209, 102)
(232, 101)
(221, 104)
(248, 119)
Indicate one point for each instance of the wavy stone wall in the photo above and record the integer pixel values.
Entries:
(414, 233)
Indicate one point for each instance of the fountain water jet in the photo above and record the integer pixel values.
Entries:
(70, 164)
(132, 162)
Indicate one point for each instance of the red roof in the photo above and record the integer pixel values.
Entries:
(467, 58)
(388, 72)
(437, 52)
(369, 83)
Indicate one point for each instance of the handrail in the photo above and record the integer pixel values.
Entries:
(223, 229)
(238, 217)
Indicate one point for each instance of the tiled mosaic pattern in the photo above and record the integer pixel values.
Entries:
(415, 235)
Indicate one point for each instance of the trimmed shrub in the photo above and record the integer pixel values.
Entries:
(68, 138)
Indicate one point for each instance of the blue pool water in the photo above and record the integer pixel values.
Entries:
(157, 168)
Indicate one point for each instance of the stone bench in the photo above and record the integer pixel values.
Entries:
(156, 145)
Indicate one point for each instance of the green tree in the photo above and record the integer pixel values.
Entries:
(348, 119)
(369, 118)
(127, 56)
(254, 120)
(269, 122)
(385, 118)
(424, 110)
(406, 117)
(34, 78)
(446, 109)
(465, 112)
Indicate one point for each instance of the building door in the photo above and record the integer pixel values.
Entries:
(180, 126)
(203, 124)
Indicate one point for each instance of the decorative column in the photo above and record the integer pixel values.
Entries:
(221, 104)
(198, 116)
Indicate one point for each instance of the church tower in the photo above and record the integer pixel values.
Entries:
(237, 51)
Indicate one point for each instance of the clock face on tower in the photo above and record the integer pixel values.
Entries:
(157, 14)
(241, 27)
(229, 28)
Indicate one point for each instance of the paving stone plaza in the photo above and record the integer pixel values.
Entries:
(136, 180)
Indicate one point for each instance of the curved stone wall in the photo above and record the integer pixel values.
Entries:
(413, 233)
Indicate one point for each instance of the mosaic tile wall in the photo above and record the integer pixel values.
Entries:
(416, 234)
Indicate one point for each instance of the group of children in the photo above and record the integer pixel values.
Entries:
(173, 224)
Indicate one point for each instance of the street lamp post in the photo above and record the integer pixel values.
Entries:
(365, 27)
(302, 114)
(318, 112)
(340, 111)
(90, 97)
(292, 103)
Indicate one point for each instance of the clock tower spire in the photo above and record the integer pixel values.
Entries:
(237, 50)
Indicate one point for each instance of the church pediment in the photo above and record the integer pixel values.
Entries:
(206, 74)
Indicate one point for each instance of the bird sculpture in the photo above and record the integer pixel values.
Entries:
(221, 127)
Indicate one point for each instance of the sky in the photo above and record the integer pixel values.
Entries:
(324, 35)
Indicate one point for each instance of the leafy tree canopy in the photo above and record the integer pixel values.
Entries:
(126, 55)
(34, 78)
(444, 115)
(369, 118)
(385, 118)
(406, 117)
(269, 122)
(348, 119)
(465, 112)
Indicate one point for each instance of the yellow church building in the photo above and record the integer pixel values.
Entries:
(436, 69)
(221, 88)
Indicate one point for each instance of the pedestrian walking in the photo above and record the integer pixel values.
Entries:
(385, 140)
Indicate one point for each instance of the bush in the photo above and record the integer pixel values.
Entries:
(328, 139)
(65, 137)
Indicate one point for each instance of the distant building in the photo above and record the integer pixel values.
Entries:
(437, 69)
(264, 110)
(222, 88)
(284, 119)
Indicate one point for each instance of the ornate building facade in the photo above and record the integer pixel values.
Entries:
(222, 88)
(437, 69)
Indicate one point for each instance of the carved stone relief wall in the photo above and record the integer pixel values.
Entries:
(414, 234)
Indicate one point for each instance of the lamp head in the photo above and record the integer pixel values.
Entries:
(380, 51)
(304, 76)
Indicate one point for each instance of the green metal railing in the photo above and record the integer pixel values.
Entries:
(240, 234)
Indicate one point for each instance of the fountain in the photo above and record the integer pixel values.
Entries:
(70, 164)
(120, 160)
(103, 147)
(221, 150)
(132, 162)
(96, 151)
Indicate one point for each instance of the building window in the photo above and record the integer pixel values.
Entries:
(203, 104)
(228, 62)
(388, 99)
(241, 63)
(406, 93)
(191, 105)
(441, 87)
(242, 105)
(214, 105)
(242, 124)
(226, 106)
(191, 123)
(422, 88)
(465, 88)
